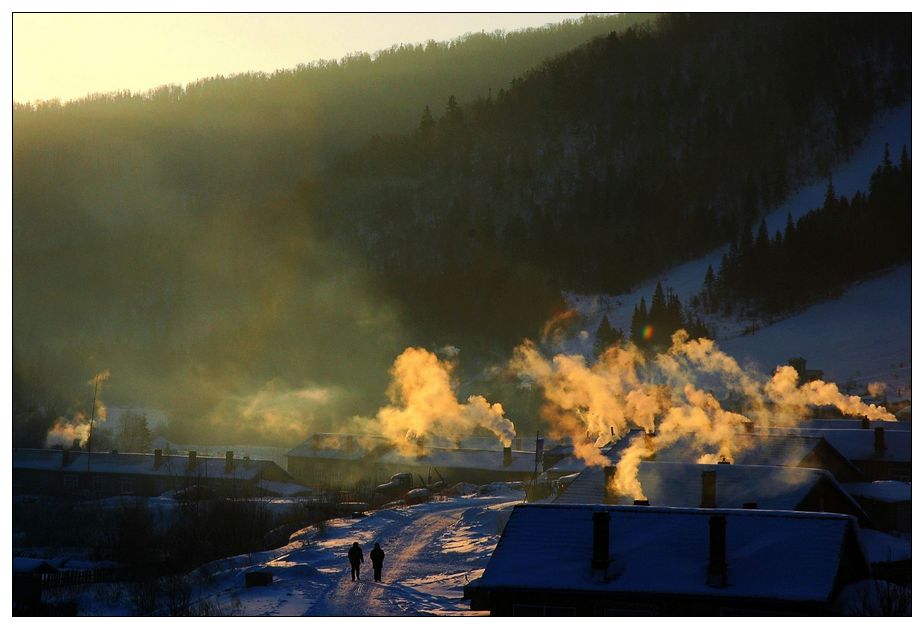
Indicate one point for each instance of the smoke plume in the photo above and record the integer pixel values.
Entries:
(424, 404)
(673, 396)
(67, 430)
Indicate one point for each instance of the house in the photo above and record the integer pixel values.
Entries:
(605, 560)
(671, 484)
(888, 503)
(878, 453)
(81, 474)
(345, 461)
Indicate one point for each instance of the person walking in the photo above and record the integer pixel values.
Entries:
(377, 555)
(356, 558)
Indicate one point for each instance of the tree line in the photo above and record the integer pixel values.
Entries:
(812, 259)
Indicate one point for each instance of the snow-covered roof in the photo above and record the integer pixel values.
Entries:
(851, 423)
(880, 490)
(674, 484)
(283, 489)
(381, 450)
(138, 464)
(884, 548)
(857, 444)
(770, 554)
(28, 564)
(492, 460)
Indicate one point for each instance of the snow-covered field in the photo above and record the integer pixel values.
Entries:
(431, 551)
(864, 335)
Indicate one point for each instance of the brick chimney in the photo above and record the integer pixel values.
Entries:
(65, 458)
(192, 460)
(508, 456)
(609, 496)
(315, 441)
(601, 548)
(879, 440)
(708, 500)
(229, 461)
(158, 458)
(717, 574)
(641, 502)
(350, 444)
(864, 423)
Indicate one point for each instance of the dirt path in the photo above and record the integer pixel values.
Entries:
(405, 559)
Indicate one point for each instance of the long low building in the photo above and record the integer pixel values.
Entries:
(81, 474)
(600, 560)
(344, 461)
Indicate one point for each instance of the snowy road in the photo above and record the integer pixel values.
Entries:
(431, 551)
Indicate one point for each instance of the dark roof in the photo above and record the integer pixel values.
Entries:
(140, 464)
(793, 556)
(673, 484)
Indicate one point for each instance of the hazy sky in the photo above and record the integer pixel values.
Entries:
(70, 55)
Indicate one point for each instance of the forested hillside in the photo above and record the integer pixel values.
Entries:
(157, 234)
(611, 162)
(221, 246)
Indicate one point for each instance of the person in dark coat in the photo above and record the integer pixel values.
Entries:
(377, 555)
(356, 558)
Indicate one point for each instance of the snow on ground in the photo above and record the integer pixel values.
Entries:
(864, 335)
(431, 551)
(882, 547)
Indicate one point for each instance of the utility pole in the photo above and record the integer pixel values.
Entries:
(92, 415)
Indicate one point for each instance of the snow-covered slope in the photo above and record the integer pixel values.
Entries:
(864, 334)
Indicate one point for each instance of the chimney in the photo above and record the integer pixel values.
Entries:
(641, 502)
(609, 496)
(192, 459)
(65, 458)
(350, 444)
(601, 551)
(158, 458)
(749, 505)
(508, 456)
(315, 441)
(864, 423)
(879, 440)
(718, 571)
(540, 456)
(708, 500)
(229, 461)
(76, 444)
(420, 447)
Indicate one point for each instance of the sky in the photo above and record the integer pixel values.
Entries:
(67, 56)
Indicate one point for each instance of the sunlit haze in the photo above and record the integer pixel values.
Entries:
(68, 56)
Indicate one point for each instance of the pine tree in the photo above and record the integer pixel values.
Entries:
(606, 336)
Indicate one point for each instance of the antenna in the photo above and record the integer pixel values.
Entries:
(92, 415)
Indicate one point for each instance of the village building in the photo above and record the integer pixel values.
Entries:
(671, 484)
(345, 461)
(602, 560)
(77, 473)
(888, 503)
(879, 453)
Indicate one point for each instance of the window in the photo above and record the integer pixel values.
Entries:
(71, 481)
